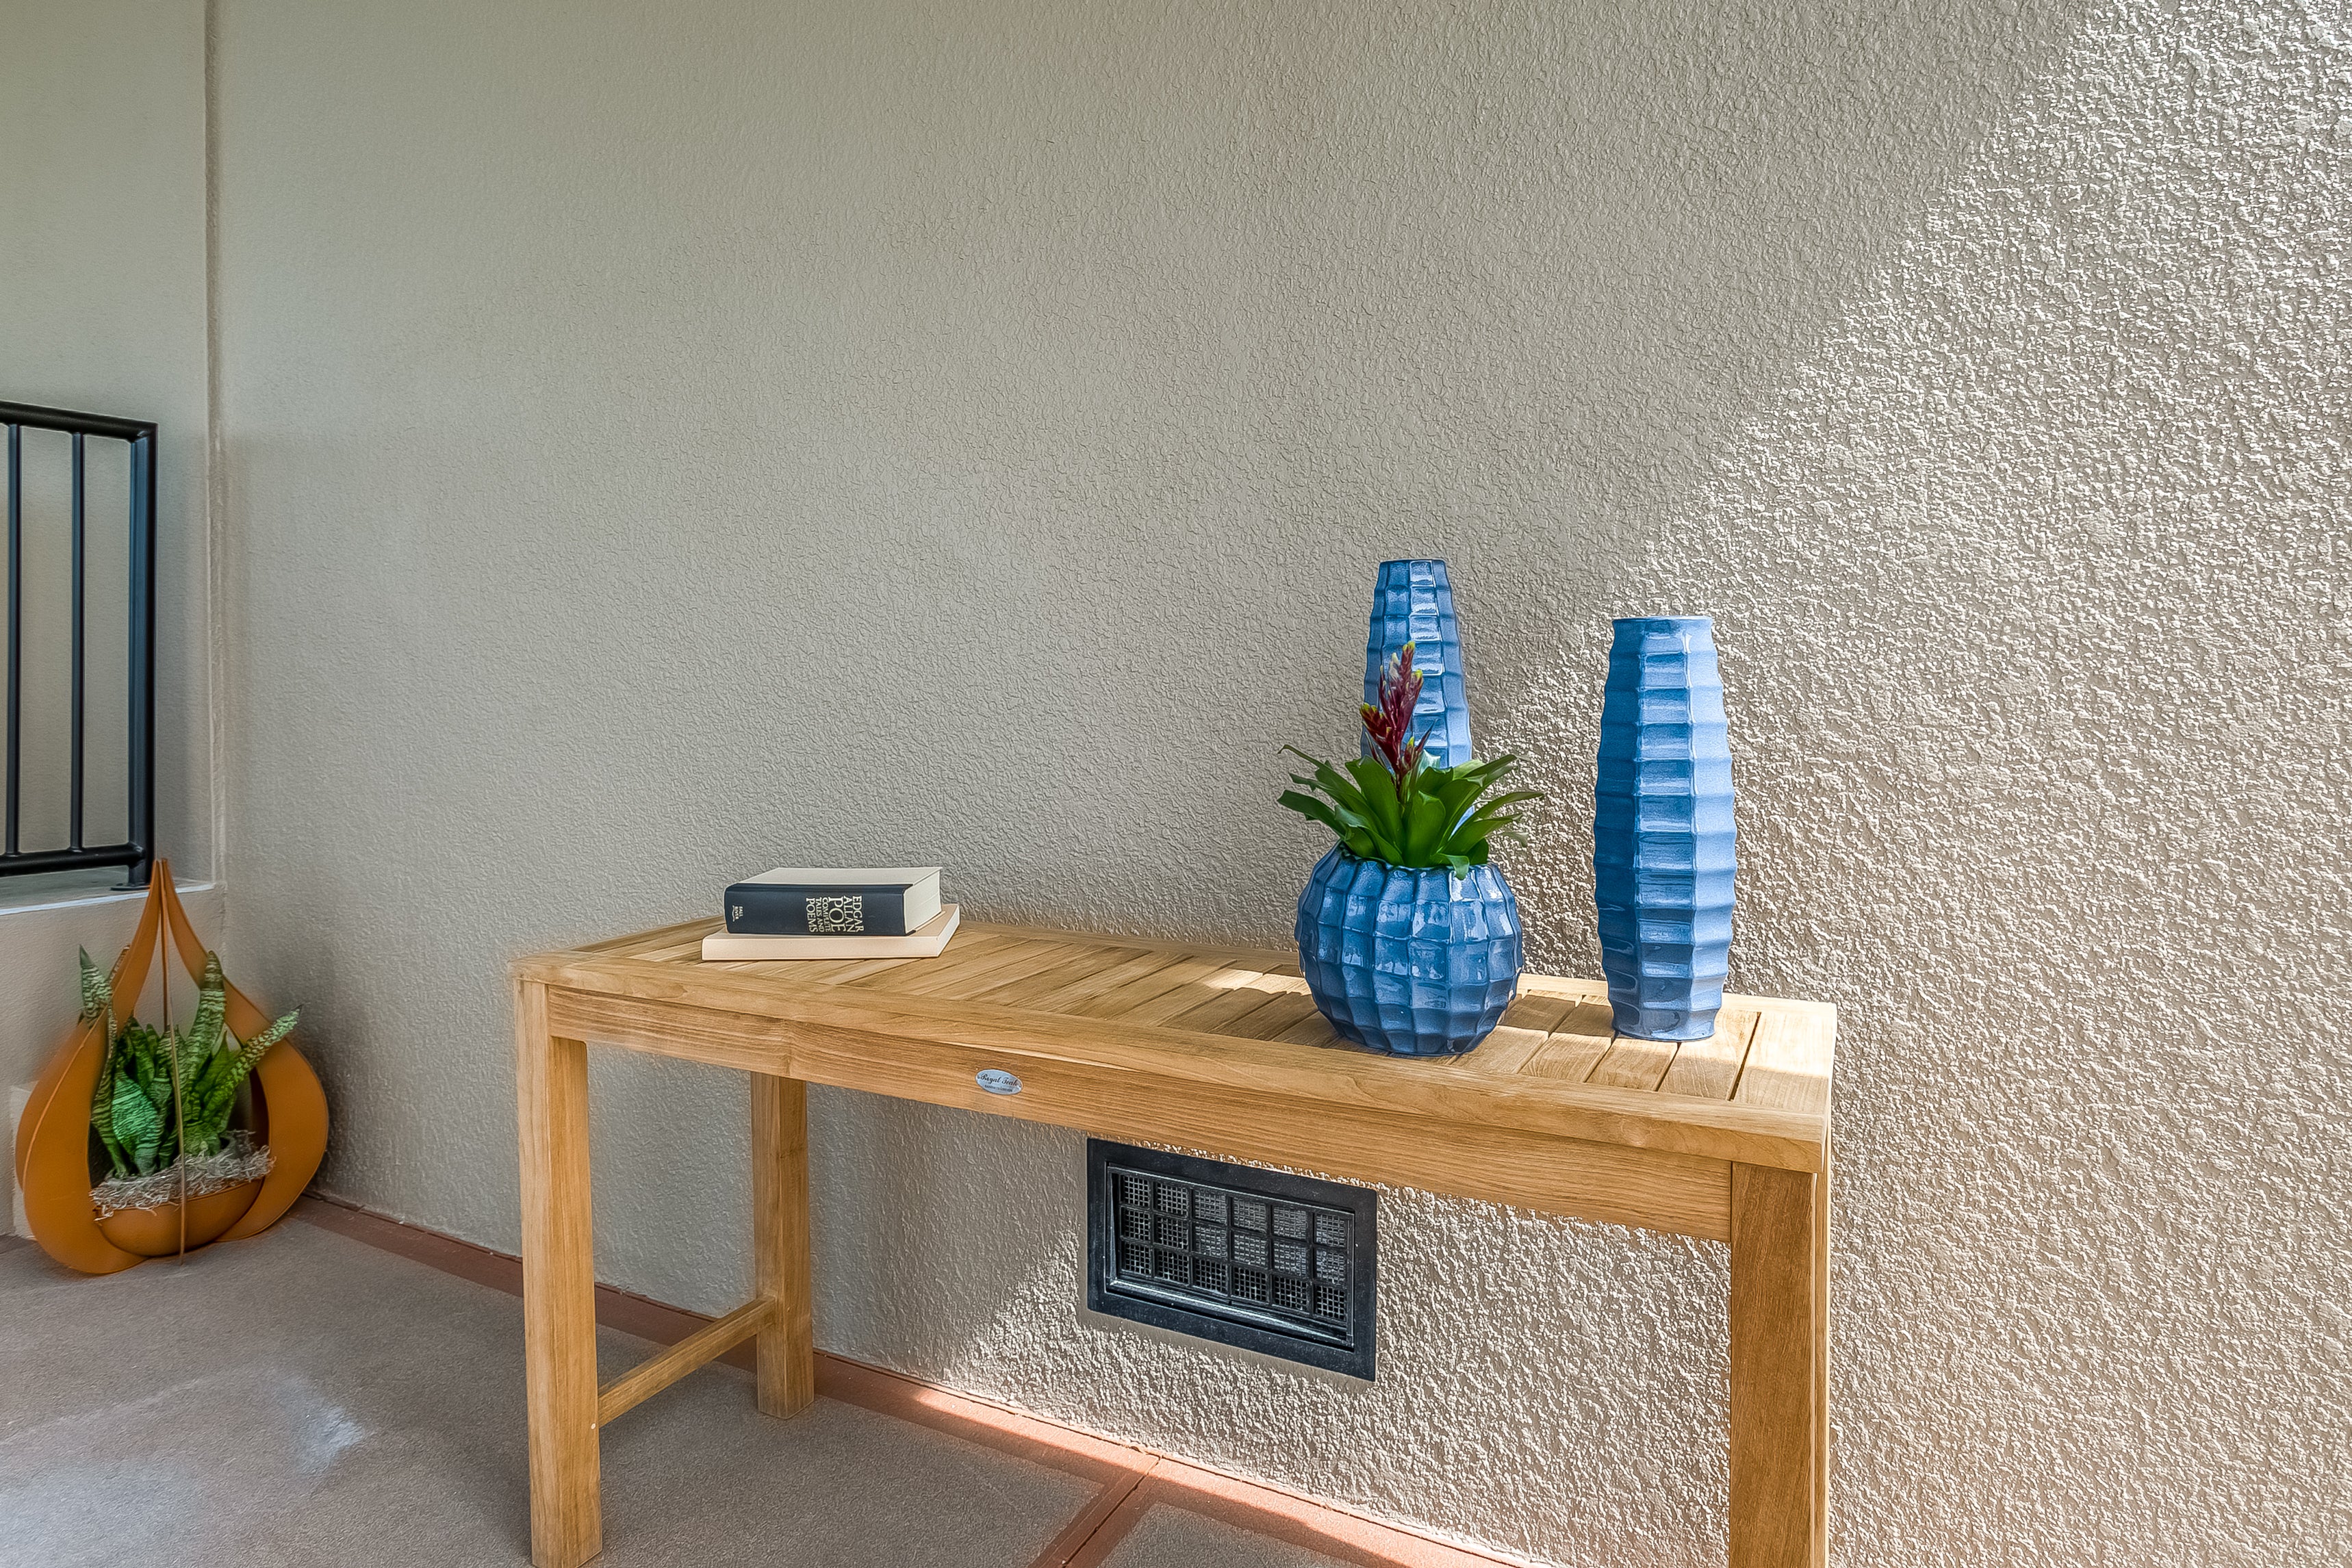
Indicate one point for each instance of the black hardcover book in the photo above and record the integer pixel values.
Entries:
(807, 901)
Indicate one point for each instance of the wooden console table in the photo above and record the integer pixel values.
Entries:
(1212, 1049)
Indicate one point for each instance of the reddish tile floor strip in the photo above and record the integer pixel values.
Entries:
(1104, 1519)
(1282, 1517)
(1131, 1481)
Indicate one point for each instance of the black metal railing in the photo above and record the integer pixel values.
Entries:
(137, 853)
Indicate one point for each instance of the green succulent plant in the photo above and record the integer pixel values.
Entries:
(1396, 807)
(159, 1093)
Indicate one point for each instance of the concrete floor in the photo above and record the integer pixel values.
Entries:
(306, 1399)
(1170, 1538)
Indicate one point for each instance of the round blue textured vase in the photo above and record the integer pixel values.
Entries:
(1414, 603)
(1413, 963)
(1661, 834)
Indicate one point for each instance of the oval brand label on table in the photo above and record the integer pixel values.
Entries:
(996, 1081)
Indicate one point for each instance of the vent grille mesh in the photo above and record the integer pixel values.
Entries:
(1288, 1258)
(1282, 1264)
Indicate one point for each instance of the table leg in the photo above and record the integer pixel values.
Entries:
(1824, 1452)
(1779, 1340)
(785, 1351)
(559, 1287)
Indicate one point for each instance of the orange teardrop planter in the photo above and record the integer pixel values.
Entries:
(155, 1232)
(53, 1137)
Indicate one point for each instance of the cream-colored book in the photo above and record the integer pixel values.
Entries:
(923, 942)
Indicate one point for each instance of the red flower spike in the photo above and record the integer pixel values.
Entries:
(1390, 723)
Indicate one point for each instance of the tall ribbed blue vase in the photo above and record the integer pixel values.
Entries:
(1408, 960)
(1414, 603)
(1661, 834)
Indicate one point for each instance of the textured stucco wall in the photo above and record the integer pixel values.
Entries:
(666, 442)
(102, 307)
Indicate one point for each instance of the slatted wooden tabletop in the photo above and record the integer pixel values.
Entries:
(1240, 1021)
(1557, 1029)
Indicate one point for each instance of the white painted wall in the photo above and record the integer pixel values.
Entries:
(664, 442)
(102, 308)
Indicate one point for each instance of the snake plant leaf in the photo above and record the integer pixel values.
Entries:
(209, 1100)
(157, 1080)
(97, 991)
(215, 1098)
(217, 1081)
(150, 1063)
(137, 1051)
(190, 1057)
(101, 1114)
(260, 1043)
(208, 1028)
(139, 1071)
(138, 1122)
(217, 1066)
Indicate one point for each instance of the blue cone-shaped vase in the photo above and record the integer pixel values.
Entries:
(1414, 603)
(1661, 834)
(1410, 962)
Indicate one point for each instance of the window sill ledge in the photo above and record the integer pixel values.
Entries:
(26, 895)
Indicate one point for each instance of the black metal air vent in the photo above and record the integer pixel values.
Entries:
(1280, 1264)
